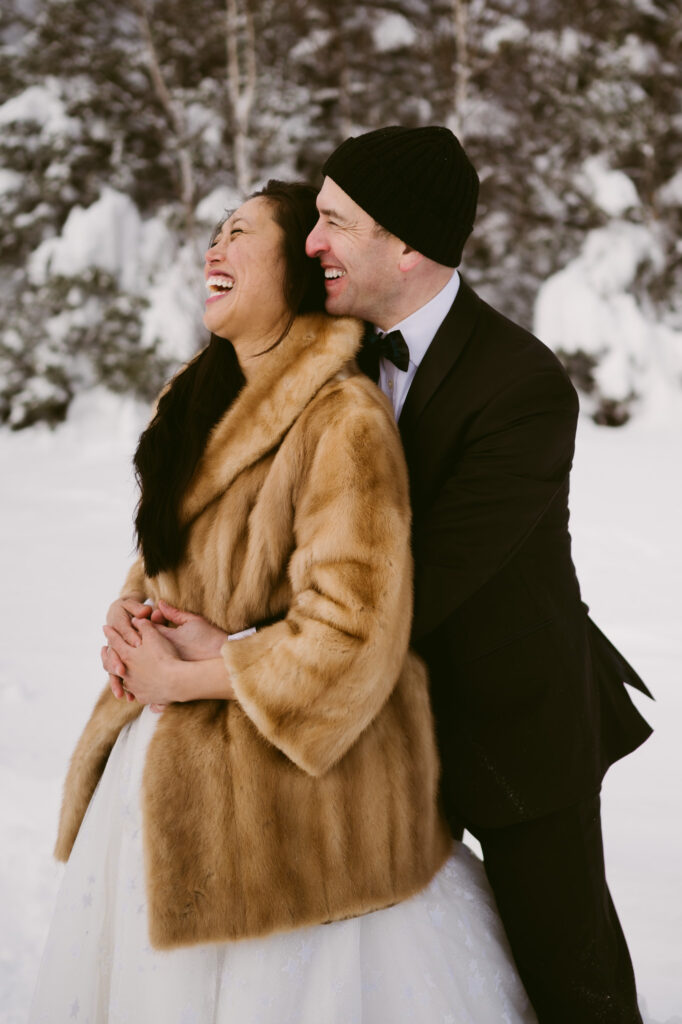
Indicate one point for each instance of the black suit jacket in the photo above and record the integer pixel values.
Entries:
(528, 695)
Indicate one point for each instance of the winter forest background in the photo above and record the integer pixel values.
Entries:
(127, 127)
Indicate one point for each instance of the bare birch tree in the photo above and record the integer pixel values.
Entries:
(175, 113)
(462, 68)
(241, 84)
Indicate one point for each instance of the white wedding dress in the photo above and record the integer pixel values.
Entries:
(438, 957)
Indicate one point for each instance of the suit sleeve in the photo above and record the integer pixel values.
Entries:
(517, 458)
(314, 681)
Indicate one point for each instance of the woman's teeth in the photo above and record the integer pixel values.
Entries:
(219, 283)
(331, 274)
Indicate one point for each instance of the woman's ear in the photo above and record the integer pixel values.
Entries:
(409, 259)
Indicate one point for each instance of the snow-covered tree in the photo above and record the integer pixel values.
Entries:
(155, 116)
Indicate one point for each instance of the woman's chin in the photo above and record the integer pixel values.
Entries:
(216, 325)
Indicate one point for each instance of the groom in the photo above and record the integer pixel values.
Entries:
(528, 695)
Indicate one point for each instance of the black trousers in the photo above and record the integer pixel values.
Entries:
(549, 883)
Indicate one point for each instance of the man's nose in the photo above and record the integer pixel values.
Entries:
(314, 242)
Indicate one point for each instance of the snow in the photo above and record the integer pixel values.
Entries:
(670, 194)
(145, 259)
(626, 498)
(640, 57)
(650, 8)
(509, 32)
(10, 181)
(570, 43)
(64, 549)
(612, 191)
(308, 45)
(470, 115)
(68, 508)
(42, 104)
(393, 32)
(217, 203)
(588, 306)
(104, 235)
(174, 314)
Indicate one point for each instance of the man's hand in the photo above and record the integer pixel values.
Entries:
(119, 617)
(192, 636)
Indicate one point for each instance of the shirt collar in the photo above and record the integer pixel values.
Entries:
(419, 328)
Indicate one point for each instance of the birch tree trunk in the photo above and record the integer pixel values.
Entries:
(462, 69)
(341, 69)
(241, 85)
(344, 101)
(176, 117)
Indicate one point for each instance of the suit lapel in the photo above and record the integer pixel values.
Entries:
(441, 356)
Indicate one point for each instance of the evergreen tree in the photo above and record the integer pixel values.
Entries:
(179, 107)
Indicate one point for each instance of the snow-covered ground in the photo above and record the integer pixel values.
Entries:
(64, 546)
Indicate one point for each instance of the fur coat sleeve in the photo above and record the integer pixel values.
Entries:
(135, 581)
(313, 682)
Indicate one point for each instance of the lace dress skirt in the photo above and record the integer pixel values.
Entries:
(440, 956)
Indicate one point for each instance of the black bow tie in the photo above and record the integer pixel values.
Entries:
(391, 346)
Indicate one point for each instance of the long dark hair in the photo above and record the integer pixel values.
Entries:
(171, 446)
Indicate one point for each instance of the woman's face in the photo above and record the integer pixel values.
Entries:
(244, 272)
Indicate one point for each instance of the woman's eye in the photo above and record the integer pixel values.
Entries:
(216, 233)
(236, 231)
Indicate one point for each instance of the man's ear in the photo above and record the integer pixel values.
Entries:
(409, 259)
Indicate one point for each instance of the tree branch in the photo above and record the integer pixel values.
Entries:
(176, 117)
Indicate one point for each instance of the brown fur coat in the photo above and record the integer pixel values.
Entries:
(312, 797)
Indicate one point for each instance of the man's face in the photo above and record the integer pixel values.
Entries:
(361, 263)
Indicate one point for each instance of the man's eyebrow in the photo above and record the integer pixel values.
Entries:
(330, 212)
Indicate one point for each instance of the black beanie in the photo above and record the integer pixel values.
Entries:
(418, 183)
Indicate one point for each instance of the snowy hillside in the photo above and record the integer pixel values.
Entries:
(64, 546)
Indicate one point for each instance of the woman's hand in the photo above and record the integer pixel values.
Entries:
(154, 674)
(120, 616)
(115, 670)
(149, 667)
(192, 636)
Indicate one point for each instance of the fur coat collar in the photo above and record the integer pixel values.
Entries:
(316, 350)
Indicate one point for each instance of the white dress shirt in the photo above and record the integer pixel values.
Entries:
(418, 329)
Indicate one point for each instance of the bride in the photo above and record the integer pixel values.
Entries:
(250, 817)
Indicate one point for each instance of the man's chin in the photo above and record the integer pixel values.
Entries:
(336, 306)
